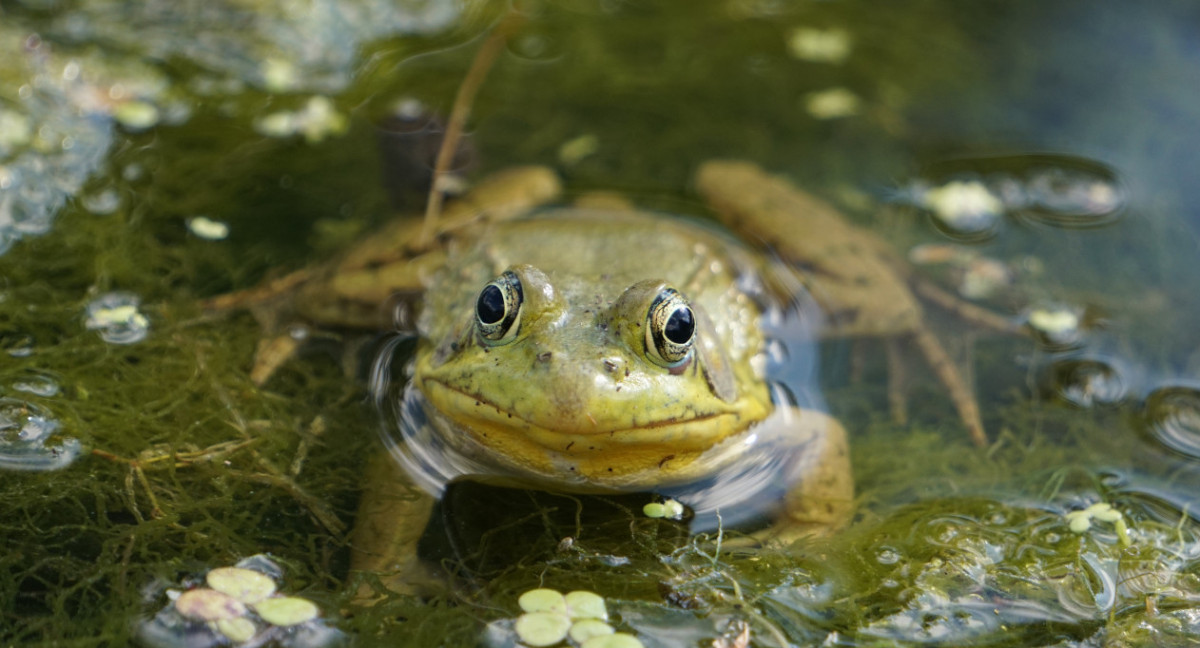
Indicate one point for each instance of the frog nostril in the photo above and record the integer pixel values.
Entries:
(613, 366)
(544, 357)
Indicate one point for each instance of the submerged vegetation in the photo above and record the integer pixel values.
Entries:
(132, 132)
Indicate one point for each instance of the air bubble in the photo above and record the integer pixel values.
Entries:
(103, 202)
(43, 386)
(887, 556)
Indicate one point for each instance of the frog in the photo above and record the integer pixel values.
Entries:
(597, 347)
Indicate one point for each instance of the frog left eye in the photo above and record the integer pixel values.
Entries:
(670, 329)
(498, 308)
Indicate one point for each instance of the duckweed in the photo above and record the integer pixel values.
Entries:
(207, 228)
(615, 640)
(586, 629)
(585, 605)
(964, 206)
(542, 628)
(543, 600)
(245, 585)
(203, 604)
(669, 509)
(1081, 521)
(1055, 321)
(286, 610)
(237, 630)
(136, 115)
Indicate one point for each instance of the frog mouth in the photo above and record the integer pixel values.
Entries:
(482, 416)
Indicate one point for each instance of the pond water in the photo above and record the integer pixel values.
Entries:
(1035, 159)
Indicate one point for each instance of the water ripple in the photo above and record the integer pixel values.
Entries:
(1172, 417)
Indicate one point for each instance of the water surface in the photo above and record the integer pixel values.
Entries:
(124, 123)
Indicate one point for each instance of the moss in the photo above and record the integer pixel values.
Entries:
(189, 466)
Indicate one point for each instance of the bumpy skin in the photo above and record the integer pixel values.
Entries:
(574, 400)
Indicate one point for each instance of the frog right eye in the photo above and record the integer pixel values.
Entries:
(498, 309)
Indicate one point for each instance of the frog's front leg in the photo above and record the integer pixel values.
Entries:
(392, 516)
(821, 498)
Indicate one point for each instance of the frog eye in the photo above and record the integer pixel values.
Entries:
(670, 329)
(498, 308)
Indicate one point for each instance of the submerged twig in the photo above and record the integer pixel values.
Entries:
(480, 65)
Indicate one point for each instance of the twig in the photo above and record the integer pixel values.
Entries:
(482, 63)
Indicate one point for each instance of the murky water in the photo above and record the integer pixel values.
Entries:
(1034, 159)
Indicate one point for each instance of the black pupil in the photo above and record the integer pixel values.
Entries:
(680, 326)
(490, 307)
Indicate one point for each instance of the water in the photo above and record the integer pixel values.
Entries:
(121, 122)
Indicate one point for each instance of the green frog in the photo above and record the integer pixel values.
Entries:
(598, 348)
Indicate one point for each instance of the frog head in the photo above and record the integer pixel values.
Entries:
(569, 376)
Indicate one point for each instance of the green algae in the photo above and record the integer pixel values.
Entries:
(190, 466)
